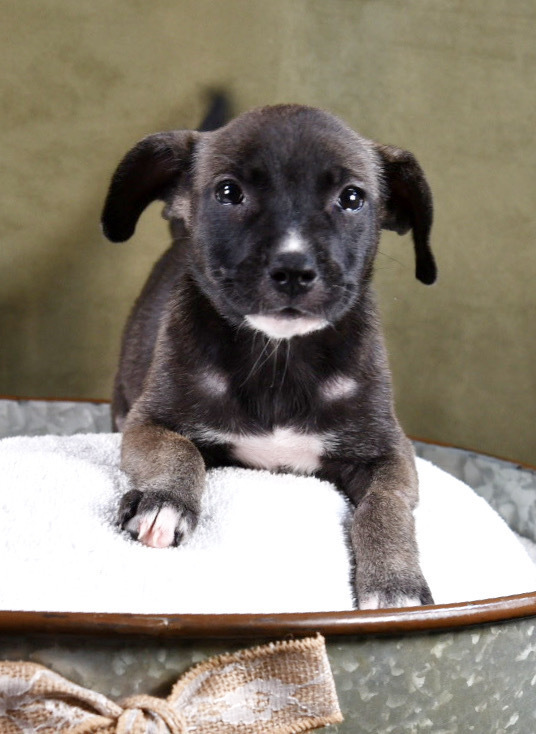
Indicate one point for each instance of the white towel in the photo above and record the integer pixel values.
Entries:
(60, 549)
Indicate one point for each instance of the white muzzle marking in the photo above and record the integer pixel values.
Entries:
(279, 327)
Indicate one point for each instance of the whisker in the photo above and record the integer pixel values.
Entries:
(285, 368)
(274, 355)
(254, 368)
(390, 257)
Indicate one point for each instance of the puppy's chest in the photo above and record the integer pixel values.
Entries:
(282, 448)
(274, 430)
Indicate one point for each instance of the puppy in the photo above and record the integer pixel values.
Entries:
(255, 341)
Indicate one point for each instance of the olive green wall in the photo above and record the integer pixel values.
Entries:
(452, 81)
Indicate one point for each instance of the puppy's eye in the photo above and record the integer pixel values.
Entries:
(229, 192)
(351, 199)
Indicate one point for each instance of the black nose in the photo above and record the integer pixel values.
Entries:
(293, 273)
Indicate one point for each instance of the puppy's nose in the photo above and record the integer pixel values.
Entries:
(293, 273)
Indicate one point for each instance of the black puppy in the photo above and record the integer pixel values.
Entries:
(255, 341)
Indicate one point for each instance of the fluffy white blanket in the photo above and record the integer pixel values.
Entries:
(265, 543)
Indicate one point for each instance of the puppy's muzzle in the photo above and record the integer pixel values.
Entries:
(293, 273)
(291, 277)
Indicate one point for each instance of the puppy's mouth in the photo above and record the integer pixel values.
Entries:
(291, 313)
(285, 323)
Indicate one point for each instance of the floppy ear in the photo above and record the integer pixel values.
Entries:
(408, 205)
(146, 173)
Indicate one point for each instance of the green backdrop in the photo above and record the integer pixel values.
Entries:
(452, 81)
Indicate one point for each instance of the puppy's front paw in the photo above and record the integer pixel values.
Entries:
(156, 519)
(411, 591)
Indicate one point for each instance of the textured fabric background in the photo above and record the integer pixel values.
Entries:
(451, 81)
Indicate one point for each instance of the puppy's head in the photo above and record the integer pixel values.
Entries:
(283, 209)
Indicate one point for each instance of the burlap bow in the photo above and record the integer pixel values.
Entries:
(280, 688)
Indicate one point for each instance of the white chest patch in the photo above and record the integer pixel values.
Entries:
(283, 448)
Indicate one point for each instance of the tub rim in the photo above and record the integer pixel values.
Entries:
(440, 617)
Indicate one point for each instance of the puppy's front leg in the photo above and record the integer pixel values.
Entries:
(167, 474)
(387, 572)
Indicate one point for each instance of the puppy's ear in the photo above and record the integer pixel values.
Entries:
(408, 205)
(146, 173)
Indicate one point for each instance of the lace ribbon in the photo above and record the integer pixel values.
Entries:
(280, 688)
